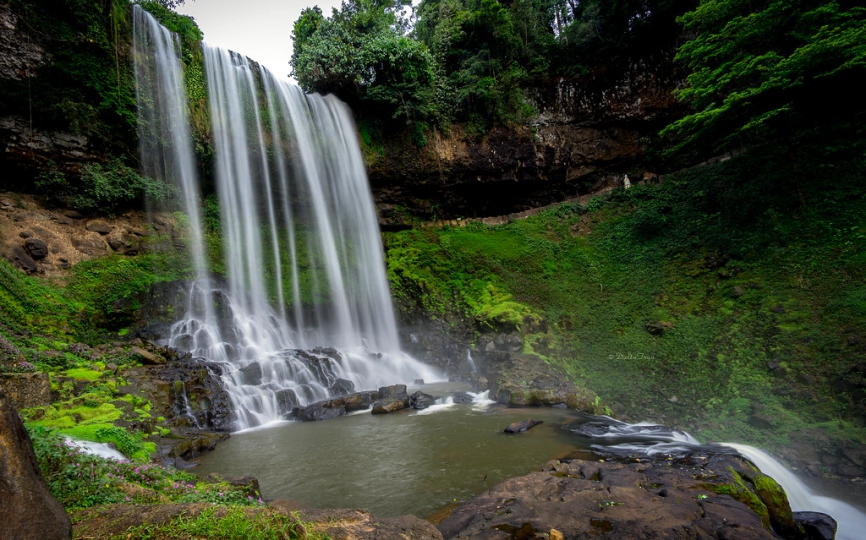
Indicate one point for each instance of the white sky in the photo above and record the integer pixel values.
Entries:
(260, 29)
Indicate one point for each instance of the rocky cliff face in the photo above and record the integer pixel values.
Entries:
(586, 134)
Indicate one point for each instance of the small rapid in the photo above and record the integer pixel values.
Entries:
(607, 435)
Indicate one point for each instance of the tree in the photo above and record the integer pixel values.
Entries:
(361, 53)
(761, 68)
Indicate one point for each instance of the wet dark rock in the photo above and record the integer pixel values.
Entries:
(390, 405)
(520, 427)
(420, 400)
(462, 398)
(323, 410)
(393, 391)
(361, 400)
(287, 400)
(699, 496)
(28, 510)
(252, 374)
(418, 381)
(342, 387)
(182, 387)
(816, 525)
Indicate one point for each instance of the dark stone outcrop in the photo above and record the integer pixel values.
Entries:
(520, 427)
(698, 496)
(28, 510)
(462, 398)
(420, 400)
(521, 380)
(586, 134)
(36, 248)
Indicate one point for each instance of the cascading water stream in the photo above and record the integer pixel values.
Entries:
(304, 260)
(165, 148)
(609, 435)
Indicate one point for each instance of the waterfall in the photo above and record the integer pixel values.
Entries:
(851, 521)
(306, 313)
(165, 148)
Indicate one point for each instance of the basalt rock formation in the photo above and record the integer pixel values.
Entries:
(585, 135)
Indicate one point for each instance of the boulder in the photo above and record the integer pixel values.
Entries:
(420, 400)
(147, 357)
(28, 510)
(520, 427)
(99, 226)
(817, 526)
(342, 387)
(390, 405)
(36, 248)
(252, 374)
(395, 390)
(323, 410)
(462, 398)
(360, 400)
(20, 258)
(698, 496)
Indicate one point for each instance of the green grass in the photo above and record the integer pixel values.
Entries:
(233, 524)
(598, 275)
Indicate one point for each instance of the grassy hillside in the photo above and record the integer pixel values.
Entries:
(715, 301)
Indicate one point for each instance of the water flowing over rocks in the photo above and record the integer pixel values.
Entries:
(28, 510)
(695, 496)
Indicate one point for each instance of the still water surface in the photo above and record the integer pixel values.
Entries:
(414, 462)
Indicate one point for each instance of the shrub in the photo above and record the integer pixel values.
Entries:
(114, 187)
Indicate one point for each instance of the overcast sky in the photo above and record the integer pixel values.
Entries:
(260, 29)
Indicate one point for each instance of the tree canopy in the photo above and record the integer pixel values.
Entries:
(468, 60)
(764, 68)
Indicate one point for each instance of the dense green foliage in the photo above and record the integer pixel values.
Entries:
(469, 60)
(721, 259)
(770, 69)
